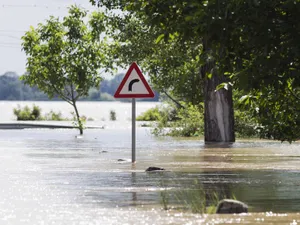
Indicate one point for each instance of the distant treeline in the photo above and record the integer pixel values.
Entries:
(12, 88)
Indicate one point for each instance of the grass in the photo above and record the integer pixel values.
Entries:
(190, 197)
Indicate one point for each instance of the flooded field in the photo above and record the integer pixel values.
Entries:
(51, 177)
(96, 111)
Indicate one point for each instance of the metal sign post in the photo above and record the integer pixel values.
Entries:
(133, 86)
(133, 140)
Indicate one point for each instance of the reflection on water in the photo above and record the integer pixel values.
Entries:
(50, 177)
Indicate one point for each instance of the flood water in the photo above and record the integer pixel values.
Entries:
(51, 177)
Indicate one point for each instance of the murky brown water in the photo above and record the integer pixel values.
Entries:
(50, 177)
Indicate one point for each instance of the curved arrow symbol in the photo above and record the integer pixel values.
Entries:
(131, 84)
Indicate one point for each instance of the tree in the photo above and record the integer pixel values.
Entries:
(64, 57)
(173, 31)
(253, 44)
(266, 65)
(10, 87)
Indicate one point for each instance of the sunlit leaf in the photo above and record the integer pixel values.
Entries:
(159, 38)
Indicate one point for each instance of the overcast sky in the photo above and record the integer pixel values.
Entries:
(16, 16)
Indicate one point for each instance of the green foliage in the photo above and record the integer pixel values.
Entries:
(191, 197)
(196, 199)
(64, 57)
(246, 126)
(79, 122)
(190, 122)
(152, 114)
(276, 112)
(55, 116)
(175, 52)
(35, 113)
(254, 43)
(112, 115)
(26, 113)
(174, 121)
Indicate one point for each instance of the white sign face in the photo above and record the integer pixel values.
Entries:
(134, 85)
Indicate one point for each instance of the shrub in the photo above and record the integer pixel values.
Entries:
(186, 122)
(190, 122)
(152, 114)
(54, 116)
(245, 125)
(112, 115)
(26, 113)
(35, 113)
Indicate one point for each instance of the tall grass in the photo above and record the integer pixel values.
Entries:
(191, 197)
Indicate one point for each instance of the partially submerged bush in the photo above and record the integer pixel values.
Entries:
(190, 122)
(186, 121)
(152, 114)
(54, 116)
(35, 113)
(112, 115)
(26, 113)
(245, 125)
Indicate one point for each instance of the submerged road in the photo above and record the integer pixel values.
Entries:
(50, 177)
(40, 124)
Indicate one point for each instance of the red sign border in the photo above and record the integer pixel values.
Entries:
(122, 84)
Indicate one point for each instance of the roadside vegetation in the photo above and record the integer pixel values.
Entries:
(205, 51)
(204, 56)
(35, 113)
(188, 121)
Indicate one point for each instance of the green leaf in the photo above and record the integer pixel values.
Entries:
(188, 18)
(159, 38)
(224, 85)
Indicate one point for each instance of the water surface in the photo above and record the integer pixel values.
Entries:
(51, 177)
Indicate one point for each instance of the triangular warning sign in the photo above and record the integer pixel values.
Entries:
(134, 85)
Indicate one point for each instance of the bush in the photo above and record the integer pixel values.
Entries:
(112, 115)
(26, 113)
(190, 122)
(245, 125)
(35, 113)
(54, 116)
(186, 122)
(152, 114)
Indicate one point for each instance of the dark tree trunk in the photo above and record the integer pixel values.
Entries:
(219, 114)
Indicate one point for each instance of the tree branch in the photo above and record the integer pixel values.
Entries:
(293, 93)
(61, 95)
(174, 100)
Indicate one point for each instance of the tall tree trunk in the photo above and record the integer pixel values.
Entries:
(219, 114)
(80, 125)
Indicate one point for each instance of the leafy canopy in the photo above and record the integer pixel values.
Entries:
(255, 43)
(64, 58)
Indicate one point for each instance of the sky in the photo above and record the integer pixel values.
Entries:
(16, 16)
